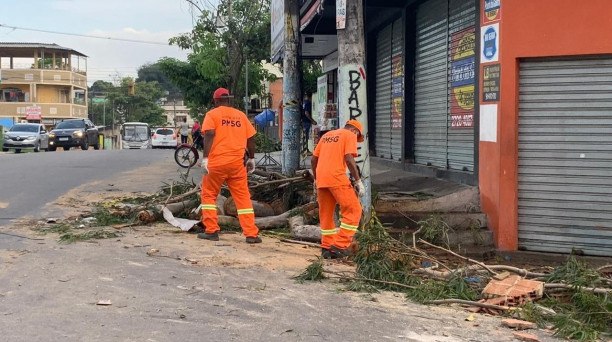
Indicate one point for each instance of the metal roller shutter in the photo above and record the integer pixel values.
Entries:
(565, 156)
(431, 93)
(461, 100)
(382, 141)
(397, 93)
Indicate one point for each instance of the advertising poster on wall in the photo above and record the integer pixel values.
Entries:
(491, 11)
(397, 91)
(490, 83)
(489, 42)
(463, 63)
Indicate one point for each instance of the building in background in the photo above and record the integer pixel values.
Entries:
(41, 83)
(175, 112)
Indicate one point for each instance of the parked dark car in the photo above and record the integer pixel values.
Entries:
(74, 133)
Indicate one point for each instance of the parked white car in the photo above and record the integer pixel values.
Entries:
(164, 137)
(26, 135)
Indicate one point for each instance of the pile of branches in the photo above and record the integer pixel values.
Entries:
(275, 197)
(576, 300)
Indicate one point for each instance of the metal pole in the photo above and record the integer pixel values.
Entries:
(291, 91)
(246, 92)
(352, 100)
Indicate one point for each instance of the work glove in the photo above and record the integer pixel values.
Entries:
(250, 165)
(361, 191)
(204, 165)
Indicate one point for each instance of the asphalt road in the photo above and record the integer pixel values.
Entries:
(28, 181)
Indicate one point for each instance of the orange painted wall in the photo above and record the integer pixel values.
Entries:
(276, 89)
(529, 28)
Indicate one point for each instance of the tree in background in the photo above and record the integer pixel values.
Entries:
(221, 46)
(311, 71)
(115, 102)
(152, 72)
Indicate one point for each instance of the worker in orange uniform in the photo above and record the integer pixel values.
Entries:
(227, 133)
(334, 153)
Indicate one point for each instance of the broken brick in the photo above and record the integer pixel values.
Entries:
(522, 336)
(518, 324)
(515, 289)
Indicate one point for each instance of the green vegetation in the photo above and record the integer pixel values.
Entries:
(72, 237)
(218, 55)
(434, 229)
(263, 144)
(379, 257)
(105, 218)
(314, 272)
(576, 273)
(456, 288)
(142, 106)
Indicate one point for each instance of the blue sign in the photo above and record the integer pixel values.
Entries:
(491, 5)
(490, 43)
(462, 72)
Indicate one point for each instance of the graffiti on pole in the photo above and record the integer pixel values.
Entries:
(352, 103)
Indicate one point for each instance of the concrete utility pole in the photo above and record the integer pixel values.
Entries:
(291, 90)
(352, 99)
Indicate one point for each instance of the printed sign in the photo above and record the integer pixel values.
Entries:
(277, 26)
(489, 42)
(33, 113)
(463, 80)
(492, 10)
(322, 102)
(397, 91)
(490, 84)
(340, 14)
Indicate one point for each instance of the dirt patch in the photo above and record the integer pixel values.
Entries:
(230, 251)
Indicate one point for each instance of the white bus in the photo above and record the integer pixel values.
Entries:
(135, 135)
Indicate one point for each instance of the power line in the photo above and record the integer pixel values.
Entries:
(85, 35)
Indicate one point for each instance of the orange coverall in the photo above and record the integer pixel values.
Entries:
(226, 165)
(334, 187)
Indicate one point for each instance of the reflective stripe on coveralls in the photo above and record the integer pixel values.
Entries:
(350, 212)
(235, 176)
(207, 207)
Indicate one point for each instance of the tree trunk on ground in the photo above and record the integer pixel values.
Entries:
(261, 209)
(302, 231)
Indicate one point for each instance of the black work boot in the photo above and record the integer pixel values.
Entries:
(252, 240)
(327, 254)
(206, 236)
(341, 252)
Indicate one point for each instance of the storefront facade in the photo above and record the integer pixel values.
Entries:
(545, 142)
(512, 96)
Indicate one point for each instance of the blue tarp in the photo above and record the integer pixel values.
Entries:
(264, 117)
(6, 122)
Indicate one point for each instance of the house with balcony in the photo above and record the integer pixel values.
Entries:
(41, 83)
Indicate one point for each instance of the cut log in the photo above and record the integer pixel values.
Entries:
(278, 205)
(155, 213)
(261, 209)
(302, 231)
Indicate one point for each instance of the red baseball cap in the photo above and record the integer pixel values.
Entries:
(221, 93)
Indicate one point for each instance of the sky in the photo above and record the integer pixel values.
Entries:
(146, 20)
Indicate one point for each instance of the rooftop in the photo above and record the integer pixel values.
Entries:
(19, 49)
